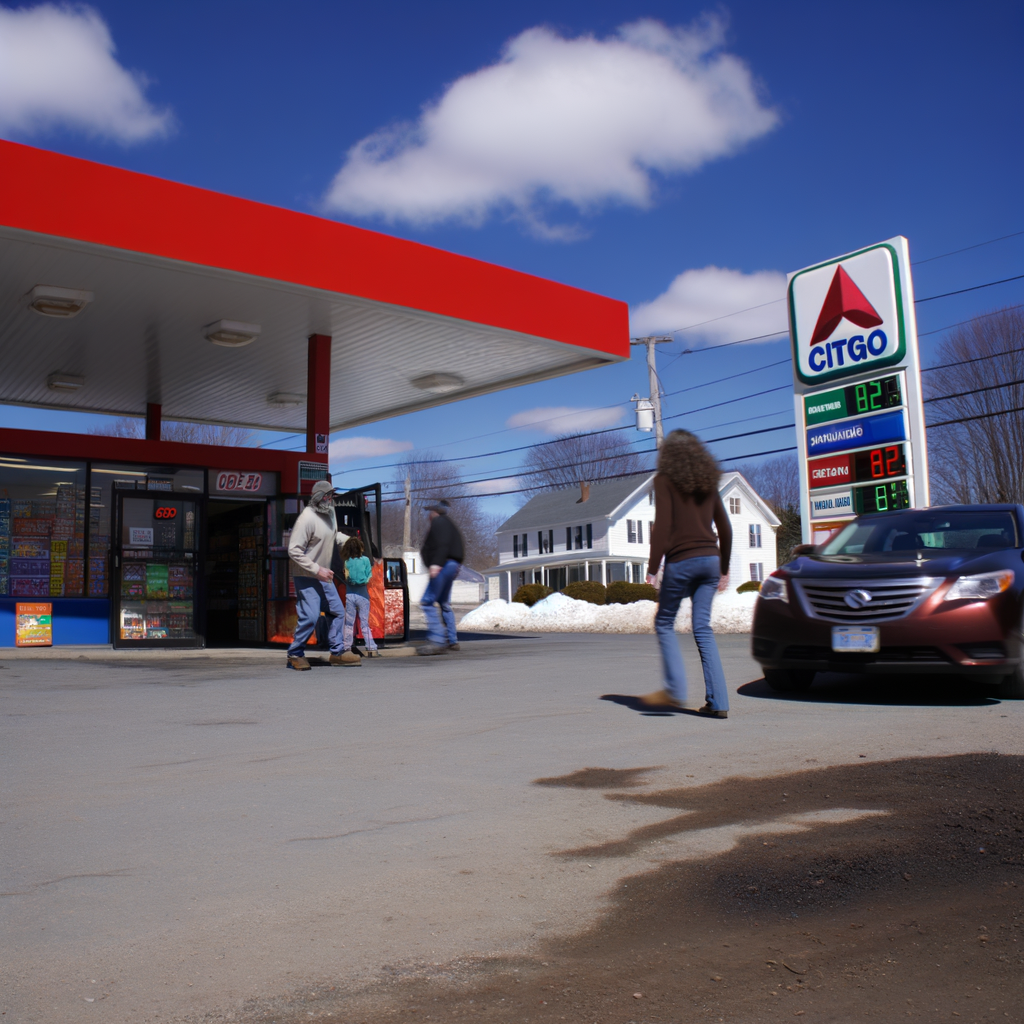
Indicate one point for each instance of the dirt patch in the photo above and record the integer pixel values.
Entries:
(914, 913)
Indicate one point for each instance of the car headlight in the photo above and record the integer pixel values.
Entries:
(774, 589)
(980, 587)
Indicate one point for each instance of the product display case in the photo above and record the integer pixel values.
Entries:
(155, 571)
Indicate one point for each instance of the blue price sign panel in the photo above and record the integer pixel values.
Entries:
(856, 433)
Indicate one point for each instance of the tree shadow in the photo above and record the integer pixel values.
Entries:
(884, 690)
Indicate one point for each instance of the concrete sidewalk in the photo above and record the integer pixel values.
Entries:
(186, 835)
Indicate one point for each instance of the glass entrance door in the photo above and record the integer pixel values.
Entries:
(155, 572)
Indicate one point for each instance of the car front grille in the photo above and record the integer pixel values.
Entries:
(890, 599)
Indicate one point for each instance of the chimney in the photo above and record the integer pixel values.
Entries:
(584, 493)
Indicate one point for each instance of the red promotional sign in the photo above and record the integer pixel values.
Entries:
(829, 472)
(228, 481)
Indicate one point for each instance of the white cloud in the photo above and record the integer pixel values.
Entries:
(582, 121)
(503, 483)
(564, 419)
(349, 449)
(57, 68)
(708, 297)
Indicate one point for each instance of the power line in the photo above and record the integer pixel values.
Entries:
(970, 320)
(979, 416)
(974, 288)
(966, 248)
(974, 391)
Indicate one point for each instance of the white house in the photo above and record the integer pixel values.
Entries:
(469, 587)
(603, 533)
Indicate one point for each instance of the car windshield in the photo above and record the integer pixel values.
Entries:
(925, 531)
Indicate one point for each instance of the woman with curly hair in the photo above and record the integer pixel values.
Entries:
(686, 502)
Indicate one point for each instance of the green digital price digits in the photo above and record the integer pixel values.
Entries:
(868, 396)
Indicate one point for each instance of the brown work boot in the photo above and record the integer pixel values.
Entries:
(346, 658)
(659, 699)
(299, 664)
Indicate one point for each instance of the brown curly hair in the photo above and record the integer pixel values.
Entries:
(688, 464)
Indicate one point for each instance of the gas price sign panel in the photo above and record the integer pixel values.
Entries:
(860, 420)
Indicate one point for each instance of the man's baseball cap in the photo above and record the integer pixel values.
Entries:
(442, 508)
(321, 489)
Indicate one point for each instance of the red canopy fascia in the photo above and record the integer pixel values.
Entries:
(62, 196)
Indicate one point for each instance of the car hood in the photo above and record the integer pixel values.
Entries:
(902, 564)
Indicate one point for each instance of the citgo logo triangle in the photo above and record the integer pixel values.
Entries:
(844, 299)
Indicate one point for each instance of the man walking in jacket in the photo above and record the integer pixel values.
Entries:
(310, 549)
(442, 553)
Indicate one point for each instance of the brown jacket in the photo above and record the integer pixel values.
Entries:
(682, 526)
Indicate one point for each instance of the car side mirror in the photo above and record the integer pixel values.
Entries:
(804, 549)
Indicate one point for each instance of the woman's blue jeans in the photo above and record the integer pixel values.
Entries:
(696, 578)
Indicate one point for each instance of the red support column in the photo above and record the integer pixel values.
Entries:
(318, 396)
(154, 414)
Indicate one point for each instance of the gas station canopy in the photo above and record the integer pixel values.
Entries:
(159, 267)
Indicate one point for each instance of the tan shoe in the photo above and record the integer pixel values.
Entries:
(659, 699)
(346, 658)
(299, 664)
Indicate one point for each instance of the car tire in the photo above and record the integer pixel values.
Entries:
(784, 681)
(1011, 687)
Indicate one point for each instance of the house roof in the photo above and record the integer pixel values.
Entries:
(608, 499)
(165, 260)
(561, 508)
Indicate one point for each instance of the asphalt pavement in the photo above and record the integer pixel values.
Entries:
(197, 838)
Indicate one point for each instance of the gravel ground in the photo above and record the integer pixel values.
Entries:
(483, 835)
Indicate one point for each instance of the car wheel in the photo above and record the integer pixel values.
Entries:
(1012, 686)
(788, 682)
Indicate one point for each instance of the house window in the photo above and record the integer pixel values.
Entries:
(568, 538)
(545, 542)
(579, 538)
(639, 532)
(734, 506)
(630, 531)
(590, 535)
(551, 541)
(754, 532)
(515, 545)
(524, 548)
(757, 572)
(650, 497)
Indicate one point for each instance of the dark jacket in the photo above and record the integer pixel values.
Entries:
(443, 541)
(682, 526)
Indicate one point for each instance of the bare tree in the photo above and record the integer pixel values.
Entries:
(176, 430)
(431, 481)
(981, 460)
(577, 458)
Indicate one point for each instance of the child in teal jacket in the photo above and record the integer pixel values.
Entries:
(358, 571)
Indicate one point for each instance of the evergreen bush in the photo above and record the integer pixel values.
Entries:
(621, 592)
(586, 590)
(746, 588)
(530, 593)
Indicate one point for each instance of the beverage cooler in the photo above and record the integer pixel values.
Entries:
(155, 555)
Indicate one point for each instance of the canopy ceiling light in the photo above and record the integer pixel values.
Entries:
(59, 302)
(285, 398)
(231, 333)
(438, 383)
(64, 382)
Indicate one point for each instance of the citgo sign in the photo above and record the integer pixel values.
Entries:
(857, 387)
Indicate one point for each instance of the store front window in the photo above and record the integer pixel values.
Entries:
(42, 528)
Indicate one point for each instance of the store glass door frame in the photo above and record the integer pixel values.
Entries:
(167, 500)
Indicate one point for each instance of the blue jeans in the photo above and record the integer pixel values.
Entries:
(312, 596)
(695, 578)
(356, 604)
(439, 591)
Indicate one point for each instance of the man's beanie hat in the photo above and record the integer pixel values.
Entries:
(442, 508)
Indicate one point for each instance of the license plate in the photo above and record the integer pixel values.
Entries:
(855, 638)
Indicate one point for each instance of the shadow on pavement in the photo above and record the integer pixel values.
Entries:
(636, 704)
(895, 691)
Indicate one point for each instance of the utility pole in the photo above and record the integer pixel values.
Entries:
(652, 374)
(407, 527)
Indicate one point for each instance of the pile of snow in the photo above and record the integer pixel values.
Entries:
(730, 613)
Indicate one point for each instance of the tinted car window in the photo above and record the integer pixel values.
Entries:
(925, 531)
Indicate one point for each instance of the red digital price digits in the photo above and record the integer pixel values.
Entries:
(880, 463)
(168, 512)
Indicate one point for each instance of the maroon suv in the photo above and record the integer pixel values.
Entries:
(935, 590)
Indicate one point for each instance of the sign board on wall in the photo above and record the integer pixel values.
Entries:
(244, 483)
(857, 384)
(33, 625)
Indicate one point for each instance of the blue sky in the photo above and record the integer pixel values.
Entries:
(793, 132)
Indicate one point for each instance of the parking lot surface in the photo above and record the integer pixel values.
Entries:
(215, 837)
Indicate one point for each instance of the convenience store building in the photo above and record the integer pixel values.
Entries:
(132, 296)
